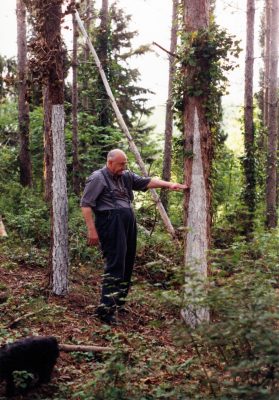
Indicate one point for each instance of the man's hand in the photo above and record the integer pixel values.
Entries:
(92, 235)
(159, 183)
(92, 238)
(178, 186)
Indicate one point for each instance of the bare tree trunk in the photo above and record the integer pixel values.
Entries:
(271, 212)
(48, 159)
(266, 60)
(3, 232)
(76, 168)
(169, 113)
(59, 206)
(249, 158)
(197, 202)
(23, 105)
(104, 112)
(88, 4)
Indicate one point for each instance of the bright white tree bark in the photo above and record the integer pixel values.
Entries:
(60, 263)
(3, 232)
(198, 153)
(197, 242)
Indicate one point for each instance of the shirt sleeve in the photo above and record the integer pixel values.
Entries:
(93, 188)
(139, 183)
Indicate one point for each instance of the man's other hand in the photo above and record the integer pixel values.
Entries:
(92, 238)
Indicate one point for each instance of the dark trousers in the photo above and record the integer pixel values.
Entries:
(118, 237)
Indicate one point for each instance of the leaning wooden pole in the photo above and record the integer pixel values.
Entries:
(124, 128)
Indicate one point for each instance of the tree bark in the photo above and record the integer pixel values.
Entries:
(59, 205)
(197, 166)
(48, 158)
(88, 18)
(76, 167)
(23, 105)
(166, 175)
(104, 112)
(271, 212)
(249, 157)
(266, 60)
(3, 232)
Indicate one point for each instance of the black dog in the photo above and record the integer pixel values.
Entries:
(36, 355)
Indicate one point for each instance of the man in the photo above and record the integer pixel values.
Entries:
(109, 193)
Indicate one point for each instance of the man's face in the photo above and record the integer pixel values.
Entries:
(118, 165)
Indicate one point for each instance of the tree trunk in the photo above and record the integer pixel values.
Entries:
(166, 175)
(271, 212)
(266, 59)
(48, 159)
(88, 4)
(59, 206)
(197, 166)
(23, 105)
(249, 158)
(104, 112)
(3, 232)
(76, 168)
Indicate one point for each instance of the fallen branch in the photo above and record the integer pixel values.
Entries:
(86, 348)
(16, 321)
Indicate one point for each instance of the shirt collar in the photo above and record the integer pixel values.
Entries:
(110, 174)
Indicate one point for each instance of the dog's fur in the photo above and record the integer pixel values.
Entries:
(36, 355)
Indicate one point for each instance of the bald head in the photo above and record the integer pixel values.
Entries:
(115, 153)
(117, 161)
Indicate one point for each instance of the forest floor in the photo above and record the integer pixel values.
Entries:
(148, 360)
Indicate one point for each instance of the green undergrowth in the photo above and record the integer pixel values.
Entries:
(156, 355)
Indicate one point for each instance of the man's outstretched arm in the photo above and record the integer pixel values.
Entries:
(158, 183)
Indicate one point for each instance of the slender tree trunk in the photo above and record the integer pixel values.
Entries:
(59, 205)
(266, 60)
(104, 112)
(23, 105)
(48, 158)
(88, 4)
(3, 232)
(197, 202)
(249, 158)
(76, 168)
(271, 212)
(169, 113)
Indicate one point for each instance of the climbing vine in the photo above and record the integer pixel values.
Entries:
(204, 57)
(44, 53)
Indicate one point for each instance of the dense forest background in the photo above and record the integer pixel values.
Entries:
(202, 317)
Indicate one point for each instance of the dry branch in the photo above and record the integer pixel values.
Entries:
(165, 50)
(16, 321)
(72, 347)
